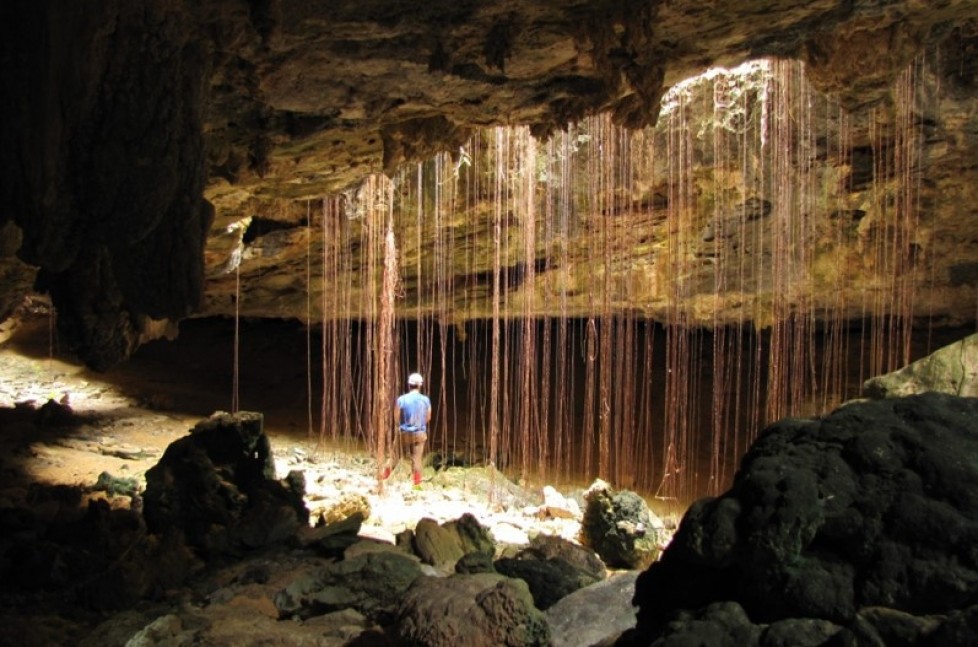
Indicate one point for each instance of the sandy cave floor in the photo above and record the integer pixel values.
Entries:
(125, 419)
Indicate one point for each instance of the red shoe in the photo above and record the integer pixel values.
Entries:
(385, 474)
(416, 477)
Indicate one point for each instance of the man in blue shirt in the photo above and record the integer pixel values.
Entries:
(412, 413)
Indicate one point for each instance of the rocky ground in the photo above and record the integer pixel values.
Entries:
(856, 527)
(128, 416)
(97, 434)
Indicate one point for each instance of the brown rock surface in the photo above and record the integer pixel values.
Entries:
(124, 118)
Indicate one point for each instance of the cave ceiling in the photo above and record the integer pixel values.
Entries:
(135, 135)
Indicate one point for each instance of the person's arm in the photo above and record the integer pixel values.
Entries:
(428, 416)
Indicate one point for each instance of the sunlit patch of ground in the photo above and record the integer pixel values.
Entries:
(120, 423)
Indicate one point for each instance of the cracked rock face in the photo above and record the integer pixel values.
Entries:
(130, 127)
(746, 216)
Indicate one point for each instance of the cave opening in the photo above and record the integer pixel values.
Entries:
(632, 305)
(547, 445)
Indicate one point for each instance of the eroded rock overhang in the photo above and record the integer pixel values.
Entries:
(124, 117)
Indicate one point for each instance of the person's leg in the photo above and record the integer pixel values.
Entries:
(394, 456)
(406, 447)
(417, 454)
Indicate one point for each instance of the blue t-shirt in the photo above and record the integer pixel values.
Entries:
(414, 411)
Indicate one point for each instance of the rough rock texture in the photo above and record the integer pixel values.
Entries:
(480, 610)
(549, 580)
(95, 574)
(217, 486)
(553, 568)
(372, 583)
(443, 545)
(103, 162)
(619, 527)
(123, 118)
(723, 624)
(952, 369)
(725, 205)
(580, 557)
(872, 506)
(333, 539)
(226, 625)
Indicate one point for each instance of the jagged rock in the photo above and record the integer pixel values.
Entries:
(952, 369)
(480, 610)
(580, 557)
(874, 505)
(726, 624)
(443, 545)
(347, 506)
(553, 568)
(217, 486)
(117, 630)
(473, 537)
(343, 625)
(958, 629)
(436, 545)
(594, 613)
(225, 623)
(373, 583)
(549, 580)
(229, 626)
(798, 632)
(333, 539)
(620, 527)
(98, 557)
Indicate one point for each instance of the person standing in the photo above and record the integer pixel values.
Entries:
(412, 414)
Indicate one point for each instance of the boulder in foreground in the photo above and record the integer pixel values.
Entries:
(874, 506)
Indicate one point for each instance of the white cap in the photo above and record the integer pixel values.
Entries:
(415, 379)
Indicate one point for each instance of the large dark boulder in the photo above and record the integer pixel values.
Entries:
(217, 486)
(373, 583)
(553, 568)
(595, 613)
(875, 505)
(443, 545)
(549, 580)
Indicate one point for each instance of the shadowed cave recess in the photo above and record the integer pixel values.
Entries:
(619, 239)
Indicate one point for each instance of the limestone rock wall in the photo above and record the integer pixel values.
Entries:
(120, 118)
(754, 198)
(103, 165)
